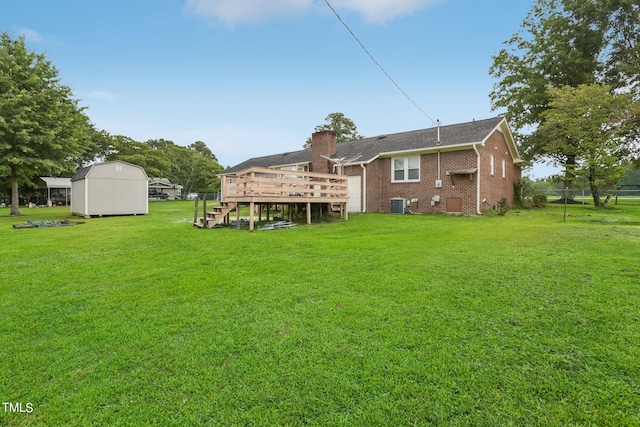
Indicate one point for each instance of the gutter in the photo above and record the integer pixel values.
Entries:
(475, 148)
(364, 188)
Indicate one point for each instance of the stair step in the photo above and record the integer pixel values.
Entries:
(216, 215)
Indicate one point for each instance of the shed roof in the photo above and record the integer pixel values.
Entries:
(82, 173)
(462, 135)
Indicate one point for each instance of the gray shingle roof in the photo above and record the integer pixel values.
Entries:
(294, 157)
(424, 139)
(81, 173)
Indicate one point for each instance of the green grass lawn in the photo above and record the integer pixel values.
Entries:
(382, 320)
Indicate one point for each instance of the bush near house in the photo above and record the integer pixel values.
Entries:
(520, 319)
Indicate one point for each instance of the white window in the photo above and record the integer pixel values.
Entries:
(504, 168)
(405, 169)
(493, 165)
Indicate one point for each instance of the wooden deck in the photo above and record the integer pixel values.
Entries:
(258, 187)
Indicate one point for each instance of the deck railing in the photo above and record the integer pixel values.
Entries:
(284, 185)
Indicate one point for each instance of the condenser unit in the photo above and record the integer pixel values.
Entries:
(397, 205)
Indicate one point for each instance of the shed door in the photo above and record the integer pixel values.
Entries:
(354, 192)
(454, 204)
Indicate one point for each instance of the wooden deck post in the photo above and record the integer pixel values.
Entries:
(308, 212)
(195, 212)
(238, 214)
(251, 208)
(204, 211)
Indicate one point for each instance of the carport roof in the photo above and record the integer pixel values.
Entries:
(51, 182)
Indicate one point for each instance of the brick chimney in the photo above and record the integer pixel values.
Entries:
(323, 143)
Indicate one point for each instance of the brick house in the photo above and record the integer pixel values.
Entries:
(460, 168)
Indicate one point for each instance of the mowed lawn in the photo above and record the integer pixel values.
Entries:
(379, 321)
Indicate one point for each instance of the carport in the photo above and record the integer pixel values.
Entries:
(56, 189)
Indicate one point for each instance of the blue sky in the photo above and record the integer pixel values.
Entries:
(254, 77)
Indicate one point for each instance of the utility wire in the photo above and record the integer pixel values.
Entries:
(376, 62)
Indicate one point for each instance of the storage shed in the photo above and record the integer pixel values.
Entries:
(110, 188)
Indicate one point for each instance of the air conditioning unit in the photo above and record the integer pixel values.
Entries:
(397, 205)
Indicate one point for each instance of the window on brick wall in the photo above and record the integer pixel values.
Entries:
(405, 169)
(493, 165)
(504, 168)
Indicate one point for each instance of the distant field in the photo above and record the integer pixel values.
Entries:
(382, 320)
(588, 200)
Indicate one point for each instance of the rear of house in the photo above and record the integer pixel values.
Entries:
(463, 168)
(460, 168)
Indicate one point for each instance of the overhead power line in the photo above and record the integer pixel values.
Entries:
(377, 63)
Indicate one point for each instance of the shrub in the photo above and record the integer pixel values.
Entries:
(525, 195)
(539, 201)
(502, 207)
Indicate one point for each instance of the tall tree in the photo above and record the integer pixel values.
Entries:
(41, 125)
(564, 43)
(97, 149)
(202, 148)
(150, 155)
(591, 124)
(193, 169)
(344, 127)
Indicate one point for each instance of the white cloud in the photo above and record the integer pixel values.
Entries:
(233, 12)
(380, 11)
(34, 37)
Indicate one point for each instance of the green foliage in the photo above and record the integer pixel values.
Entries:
(502, 207)
(592, 125)
(527, 196)
(42, 128)
(343, 126)
(539, 201)
(194, 167)
(564, 43)
(381, 320)
(631, 176)
(151, 156)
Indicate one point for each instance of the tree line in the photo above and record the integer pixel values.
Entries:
(195, 167)
(569, 81)
(45, 132)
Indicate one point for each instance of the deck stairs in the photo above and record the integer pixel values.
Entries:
(217, 214)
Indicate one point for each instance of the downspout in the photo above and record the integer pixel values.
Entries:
(475, 148)
(364, 188)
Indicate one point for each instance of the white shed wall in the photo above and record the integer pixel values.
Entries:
(78, 198)
(113, 188)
